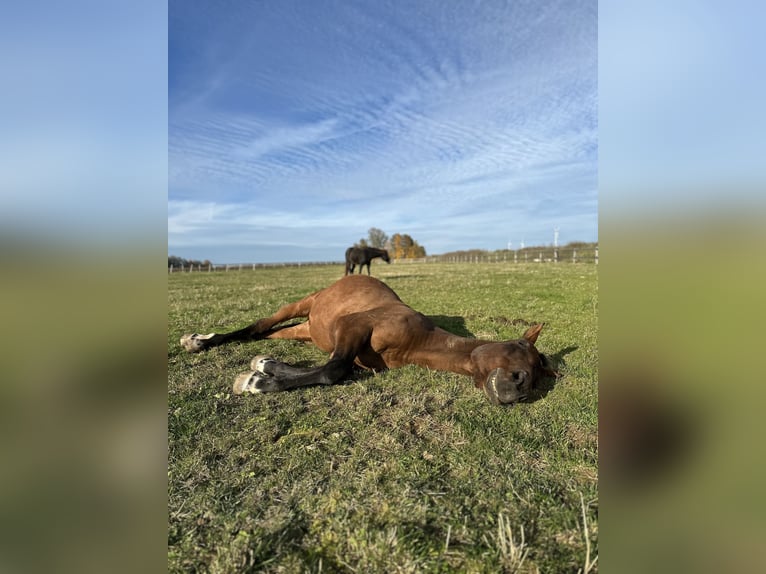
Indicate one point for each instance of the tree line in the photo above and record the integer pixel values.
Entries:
(399, 245)
(179, 262)
(564, 251)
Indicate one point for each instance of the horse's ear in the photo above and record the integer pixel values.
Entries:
(533, 332)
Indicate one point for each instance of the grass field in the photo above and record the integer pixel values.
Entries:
(408, 470)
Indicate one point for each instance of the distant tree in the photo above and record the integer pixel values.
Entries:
(397, 246)
(377, 237)
(361, 243)
(418, 251)
(405, 247)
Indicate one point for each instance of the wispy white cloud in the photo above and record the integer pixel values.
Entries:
(281, 139)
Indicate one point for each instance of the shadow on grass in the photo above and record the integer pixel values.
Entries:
(557, 363)
(455, 325)
(279, 539)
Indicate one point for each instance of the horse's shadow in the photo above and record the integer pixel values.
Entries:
(455, 325)
(546, 385)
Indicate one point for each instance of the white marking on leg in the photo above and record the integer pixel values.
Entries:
(258, 364)
(245, 383)
(193, 343)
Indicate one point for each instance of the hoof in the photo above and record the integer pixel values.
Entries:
(195, 343)
(246, 383)
(258, 364)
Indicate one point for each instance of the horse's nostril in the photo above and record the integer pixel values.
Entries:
(519, 377)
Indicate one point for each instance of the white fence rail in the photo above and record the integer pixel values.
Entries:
(529, 255)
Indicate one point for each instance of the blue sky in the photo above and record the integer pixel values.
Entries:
(295, 126)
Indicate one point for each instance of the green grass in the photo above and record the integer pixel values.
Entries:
(408, 470)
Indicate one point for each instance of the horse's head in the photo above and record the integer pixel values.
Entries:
(508, 371)
(385, 256)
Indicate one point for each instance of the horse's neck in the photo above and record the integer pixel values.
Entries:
(449, 352)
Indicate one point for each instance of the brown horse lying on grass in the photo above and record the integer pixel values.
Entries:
(361, 320)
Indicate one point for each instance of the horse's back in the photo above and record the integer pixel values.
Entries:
(352, 294)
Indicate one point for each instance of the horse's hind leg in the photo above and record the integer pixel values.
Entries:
(261, 329)
(299, 332)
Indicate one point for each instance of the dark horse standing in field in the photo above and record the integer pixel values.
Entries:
(361, 320)
(362, 256)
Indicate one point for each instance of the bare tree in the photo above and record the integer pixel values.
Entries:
(377, 237)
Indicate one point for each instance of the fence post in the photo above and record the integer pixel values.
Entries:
(555, 255)
(596, 255)
(574, 256)
(540, 256)
(171, 269)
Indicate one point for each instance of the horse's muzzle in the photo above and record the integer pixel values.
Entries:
(503, 388)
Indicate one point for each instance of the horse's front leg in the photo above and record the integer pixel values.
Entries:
(269, 375)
